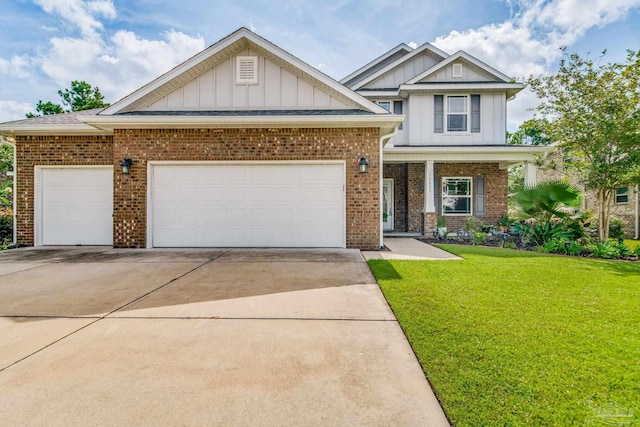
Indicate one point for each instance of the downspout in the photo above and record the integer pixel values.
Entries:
(383, 141)
(14, 176)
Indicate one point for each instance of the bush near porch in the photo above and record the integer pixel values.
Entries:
(519, 338)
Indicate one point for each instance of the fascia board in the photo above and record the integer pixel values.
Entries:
(416, 51)
(377, 61)
(110, 123)
(464, 55)
(52, 130)
(461, 86)
(226, 42)
(465, 153)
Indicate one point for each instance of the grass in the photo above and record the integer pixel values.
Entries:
(632, 244)
(513, 338)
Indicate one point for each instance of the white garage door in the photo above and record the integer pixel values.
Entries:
(76, 206)
(248, 205)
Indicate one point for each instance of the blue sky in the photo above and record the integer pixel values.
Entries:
(120, 45)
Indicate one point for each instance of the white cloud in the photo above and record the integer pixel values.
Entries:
(12, 110)
(119, 65)
(80, 14)
(529, 42)
(17, 66)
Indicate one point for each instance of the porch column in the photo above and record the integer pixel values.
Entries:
(429, 188)
(530, 173)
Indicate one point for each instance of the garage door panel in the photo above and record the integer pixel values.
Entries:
(249, 205)
(76, 206)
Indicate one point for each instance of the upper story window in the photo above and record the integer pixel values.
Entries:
(622, 195)
(395, 107)
(385, 104)
(456, 113)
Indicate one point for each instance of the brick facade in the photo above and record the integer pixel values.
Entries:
(143, 145)
(51, 151)
(496, 191)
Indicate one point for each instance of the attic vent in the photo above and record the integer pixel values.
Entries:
(247, 70)
(457, 70)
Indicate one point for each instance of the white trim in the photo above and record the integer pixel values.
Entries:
(377, 61)
(37, 196)
(470, 196)
(250, 36)
(152, 163)
(464, 55)
(465, 153)
(386, 122)
(392, 204)
(467, 113)
(394, 64)
(429, 187)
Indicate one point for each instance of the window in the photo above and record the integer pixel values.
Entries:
(622, 195)
(456, 196)
(457, 113)
(246, 70)
(385, 104)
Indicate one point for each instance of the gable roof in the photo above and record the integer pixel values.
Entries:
(424, 47)
(224, 49)
(373, 66)
(465, 56)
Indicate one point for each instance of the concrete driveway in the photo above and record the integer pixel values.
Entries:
(97, 336)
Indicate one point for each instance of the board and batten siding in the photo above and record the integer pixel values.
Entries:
(404, 72)
(419, 123)
(216, 89)
(470, 73)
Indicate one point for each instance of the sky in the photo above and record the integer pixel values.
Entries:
(120, 45)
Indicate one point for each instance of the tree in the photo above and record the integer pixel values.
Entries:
(6, 185)
(593, 112)
(531, 132)
(81, 96)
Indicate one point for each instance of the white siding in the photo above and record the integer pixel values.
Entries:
(470, 73)
(277, 88)
(403, 72)
(418, 124)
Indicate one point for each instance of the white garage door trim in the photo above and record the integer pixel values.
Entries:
(38, 204)
(150, 185)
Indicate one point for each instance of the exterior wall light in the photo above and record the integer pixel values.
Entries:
(363, 165)
(126, 165)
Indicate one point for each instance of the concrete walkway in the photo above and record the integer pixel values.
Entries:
(410, 249)
(95, 336)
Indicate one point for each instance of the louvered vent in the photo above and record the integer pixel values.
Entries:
(247, 70)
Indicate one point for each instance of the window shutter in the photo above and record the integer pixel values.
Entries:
(397, 109)
(438, 113)
(475, 113)
(437, 188)
(480, 209)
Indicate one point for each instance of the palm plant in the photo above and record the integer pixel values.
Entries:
(547, 201)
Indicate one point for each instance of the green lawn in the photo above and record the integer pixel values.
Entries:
(511, 338)
(632, 244)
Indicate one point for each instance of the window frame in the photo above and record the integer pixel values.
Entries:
(390, 102)
(467, 113)
(626, 195)
(443, 195)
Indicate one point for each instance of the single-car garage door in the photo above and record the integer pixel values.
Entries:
(266, 204)
(75, 205)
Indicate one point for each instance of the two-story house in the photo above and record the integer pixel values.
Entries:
(449, 157)
(245, 145)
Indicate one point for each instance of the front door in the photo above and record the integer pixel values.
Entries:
(387, 204)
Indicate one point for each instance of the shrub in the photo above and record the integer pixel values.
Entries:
(6, 230)
(479, 237)
(558, 246)
(473, 224)
(636, 251)
(605, 250)
(539, 234)
(616, 228)
(623, 249)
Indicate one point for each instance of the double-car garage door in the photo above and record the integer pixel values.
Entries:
(261, 204)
